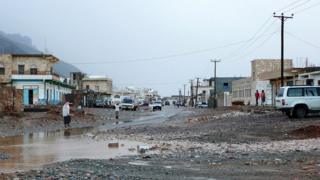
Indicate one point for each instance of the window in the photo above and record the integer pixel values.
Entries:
(318, 91)
(295, 92)
(311, 92)
(309, 82)
(33, 69)
(290, 83)
(318, 82)
(20, 69)
(281, 92)
(2, 69)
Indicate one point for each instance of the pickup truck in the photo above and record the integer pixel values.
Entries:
(157, 105)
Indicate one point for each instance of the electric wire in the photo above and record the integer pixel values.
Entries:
(287, 6)
(168, 56)
(297, 6)
(307, 8)
(254, 39)
(302, 40)
(253, 50)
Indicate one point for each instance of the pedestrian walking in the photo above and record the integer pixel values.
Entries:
(117, 110)
(66, 114)
(263, 97)
(257, 95)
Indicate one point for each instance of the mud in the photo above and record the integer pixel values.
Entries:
(312, 131)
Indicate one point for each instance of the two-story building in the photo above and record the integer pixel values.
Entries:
(100, 85)
(33, 73)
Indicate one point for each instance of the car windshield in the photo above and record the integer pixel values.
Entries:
(130, 101)
(280, 94)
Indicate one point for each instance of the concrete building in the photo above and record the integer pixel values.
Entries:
(206, 90)
(33, 73)
(243, 91)
(76, 79)
(99, 84)
(260, 66)
(310, 78)
(262, 72)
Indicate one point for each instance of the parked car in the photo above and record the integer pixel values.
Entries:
(167, 103)
(128, 104)
(202, 105)
(298, 101)
(99, 103)
(157, 105)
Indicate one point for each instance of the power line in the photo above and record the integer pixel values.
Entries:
(253, 50)
(287, 6)
(254, 38)
(307, 8)
(302, 40)
(170, 56)
(297, 6)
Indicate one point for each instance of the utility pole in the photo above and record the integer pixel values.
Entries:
(184, 94)
(215, 81)
(191, 98)
(197, 91)
(179, 96)
(283, 19)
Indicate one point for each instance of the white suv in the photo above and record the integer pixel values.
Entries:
(298, 101)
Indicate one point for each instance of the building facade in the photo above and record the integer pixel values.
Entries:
(99, 84)
(33, 73)
(260, 66)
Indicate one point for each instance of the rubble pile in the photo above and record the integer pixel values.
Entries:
(216, 117)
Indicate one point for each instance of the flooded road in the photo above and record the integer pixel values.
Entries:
(32, 151)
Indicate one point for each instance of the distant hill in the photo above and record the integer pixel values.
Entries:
(18, 44)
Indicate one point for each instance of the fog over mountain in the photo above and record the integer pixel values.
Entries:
(19, 44)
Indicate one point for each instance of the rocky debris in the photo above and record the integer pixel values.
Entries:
(205, 119)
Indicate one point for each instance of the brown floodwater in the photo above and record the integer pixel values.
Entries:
(32, 151)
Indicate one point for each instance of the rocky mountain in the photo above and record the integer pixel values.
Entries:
(18, 44)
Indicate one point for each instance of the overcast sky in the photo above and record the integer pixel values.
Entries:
(167, 41)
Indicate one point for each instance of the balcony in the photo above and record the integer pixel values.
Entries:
(31, 77)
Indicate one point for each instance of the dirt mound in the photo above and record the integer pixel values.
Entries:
(312, 131)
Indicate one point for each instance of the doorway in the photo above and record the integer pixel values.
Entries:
(30, 96)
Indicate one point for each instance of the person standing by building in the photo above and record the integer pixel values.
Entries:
(66, 114)
(257, 95)
(117, 110)
(263, 97)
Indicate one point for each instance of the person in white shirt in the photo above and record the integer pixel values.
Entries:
(117, 110)
(66, 114)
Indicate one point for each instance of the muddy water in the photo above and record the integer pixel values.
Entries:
(32, 151)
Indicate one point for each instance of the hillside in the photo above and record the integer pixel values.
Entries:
(18, 44)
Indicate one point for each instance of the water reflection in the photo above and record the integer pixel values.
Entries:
(32, 151)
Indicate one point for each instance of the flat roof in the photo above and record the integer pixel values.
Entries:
(36, 55)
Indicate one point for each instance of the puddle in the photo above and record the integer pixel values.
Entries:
(32, 151)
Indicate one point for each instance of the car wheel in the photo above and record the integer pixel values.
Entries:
(300, 112)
